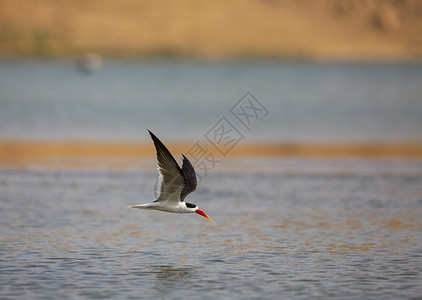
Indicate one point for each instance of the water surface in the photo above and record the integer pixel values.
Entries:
(182, 100)
(284, 228)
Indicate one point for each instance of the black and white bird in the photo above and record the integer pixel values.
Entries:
(174, 183)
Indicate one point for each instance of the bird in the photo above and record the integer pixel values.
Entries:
(174, 183)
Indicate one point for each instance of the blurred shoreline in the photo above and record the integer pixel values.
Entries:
(358, 30)
(56, 154)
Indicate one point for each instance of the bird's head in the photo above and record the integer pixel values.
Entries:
(195, 208)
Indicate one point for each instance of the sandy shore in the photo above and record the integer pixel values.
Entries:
(307, 29)
(22, 154)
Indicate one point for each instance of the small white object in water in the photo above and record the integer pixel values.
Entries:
(90, 63)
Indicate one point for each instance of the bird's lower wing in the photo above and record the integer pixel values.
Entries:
(169, 187)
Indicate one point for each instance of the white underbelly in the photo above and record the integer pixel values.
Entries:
(162, 206)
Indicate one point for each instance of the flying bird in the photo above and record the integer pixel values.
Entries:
(174, 184)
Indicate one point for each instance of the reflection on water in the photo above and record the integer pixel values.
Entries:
(169, 277)
(294, 228)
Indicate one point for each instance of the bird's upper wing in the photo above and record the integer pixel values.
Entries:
(190, 178)
(170, 181)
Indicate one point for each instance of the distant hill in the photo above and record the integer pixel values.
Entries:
(290, 29)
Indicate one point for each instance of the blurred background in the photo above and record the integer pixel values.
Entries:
(316, 192)
(329, 72)
(306, 29)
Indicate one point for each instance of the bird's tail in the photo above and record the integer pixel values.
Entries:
(140, 206)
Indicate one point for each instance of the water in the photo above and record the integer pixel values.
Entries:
(306, 102)
(284, 228)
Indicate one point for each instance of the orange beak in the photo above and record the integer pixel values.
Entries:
(200, 212)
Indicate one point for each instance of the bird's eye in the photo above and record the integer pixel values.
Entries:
(190, 205)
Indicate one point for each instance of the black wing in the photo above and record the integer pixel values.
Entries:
(171, 180)
(190, 178)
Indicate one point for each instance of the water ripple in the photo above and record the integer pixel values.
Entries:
(311, 237)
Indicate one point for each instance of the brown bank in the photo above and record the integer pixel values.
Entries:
(310, 29)
(23, 154)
